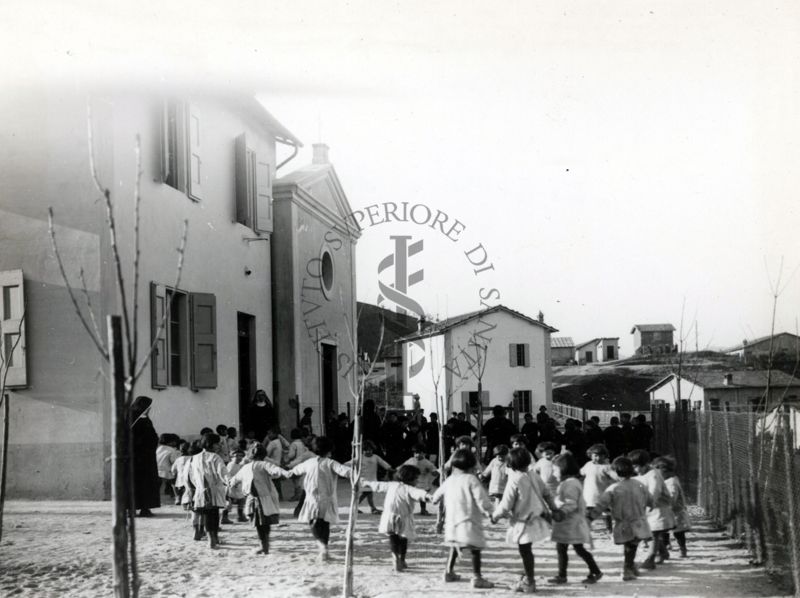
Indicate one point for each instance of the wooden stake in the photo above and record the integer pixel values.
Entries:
(788, 453)
(119, 479)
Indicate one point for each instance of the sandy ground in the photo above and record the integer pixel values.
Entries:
(62, 549)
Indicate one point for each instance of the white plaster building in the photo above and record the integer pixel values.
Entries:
(517, 361)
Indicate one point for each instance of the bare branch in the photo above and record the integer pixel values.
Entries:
(89, 306)
(112, 236)
(92, 167)
(97, 341)
(165, 318)
(137, 198)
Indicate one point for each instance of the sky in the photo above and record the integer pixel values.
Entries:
(620, 162)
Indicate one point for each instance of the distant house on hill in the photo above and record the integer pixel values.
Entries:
(562, 349)
(597, 350)
(714, 390)
(517, 361)
(388, 370)
(784, 346)
(652, 338)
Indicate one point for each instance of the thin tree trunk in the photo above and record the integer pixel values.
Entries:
(442, 412)
(4, 465)
(119, 477)
(355, 475)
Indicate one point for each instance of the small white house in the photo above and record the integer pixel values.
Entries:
(597, 350)
(448, 356)
(716, 390)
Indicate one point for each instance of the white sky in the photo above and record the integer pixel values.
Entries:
(615, 158)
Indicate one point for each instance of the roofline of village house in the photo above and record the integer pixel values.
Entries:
(431, 332)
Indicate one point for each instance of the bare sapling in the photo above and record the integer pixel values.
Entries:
(127, 365)
(356, 388)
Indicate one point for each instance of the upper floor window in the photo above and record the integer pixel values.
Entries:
(253, 187)
(182, 141)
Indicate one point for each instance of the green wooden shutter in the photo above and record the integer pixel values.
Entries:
(158, 360)
(203, 309)
(196, 166)
(512, 355)
(527, 355)
(244, 212)
(12, 328)
(263, 197)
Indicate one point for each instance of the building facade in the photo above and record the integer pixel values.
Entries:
(209, 161)
(783, 345)
(516, 365)
(597, 350)
(653, 338)
(314, 294)
(562, 350)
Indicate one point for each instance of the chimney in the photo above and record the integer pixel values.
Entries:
(320, 154)
(727, 380)
(541, 316)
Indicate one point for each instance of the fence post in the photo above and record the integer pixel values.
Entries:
(701, 451)
(730, 513)
(788, 454)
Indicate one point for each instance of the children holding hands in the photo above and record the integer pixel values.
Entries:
(320, 508)
(627, 501)
(572, 527)
(523, 503)
(254, 481)
(397, 519)
(465, 504)
(660, 517)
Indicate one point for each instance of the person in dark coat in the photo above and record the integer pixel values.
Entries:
(370, 422)
(613, 439)
(145, 470)
(641, 434)
(260, 415)
(531, 430)
(498, 430)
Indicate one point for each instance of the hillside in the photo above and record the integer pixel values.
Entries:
(620, 385)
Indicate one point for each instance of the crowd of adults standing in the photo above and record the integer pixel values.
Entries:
(395, 434)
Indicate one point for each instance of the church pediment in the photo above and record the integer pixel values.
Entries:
(317, 187)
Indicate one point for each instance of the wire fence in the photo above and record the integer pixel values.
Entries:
(744, 469)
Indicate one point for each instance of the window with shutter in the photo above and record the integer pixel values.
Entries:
(158, 335)
(196, 168)
(253, 188)
(204, 340)
(12, 329)
(173, 145)
(263, 197)
(244, 181)
(169, 364)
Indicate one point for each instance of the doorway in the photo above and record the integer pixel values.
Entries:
(329, 385)
(245, 326)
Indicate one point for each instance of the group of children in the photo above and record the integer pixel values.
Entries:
(551, 497)
(638, 499)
